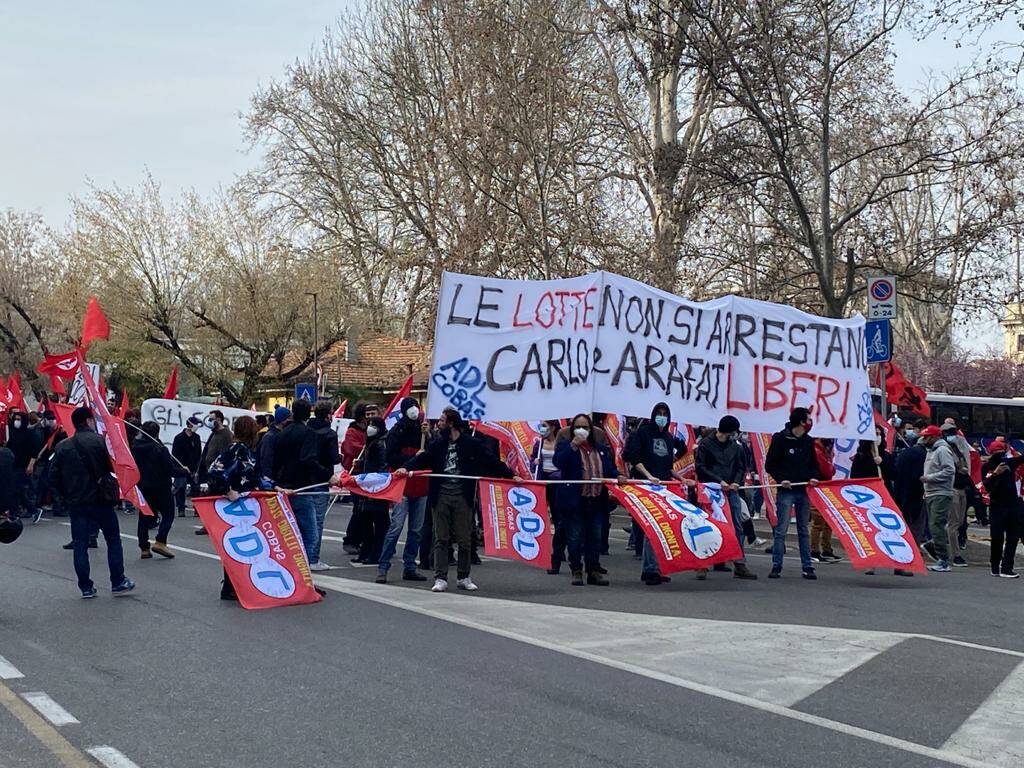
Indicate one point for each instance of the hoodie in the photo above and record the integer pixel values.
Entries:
(939, 470)
(657, 449)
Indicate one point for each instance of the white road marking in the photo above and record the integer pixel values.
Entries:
(8, 671)
(111, 757)
(49, 708)
(538, 621)
(993, 731)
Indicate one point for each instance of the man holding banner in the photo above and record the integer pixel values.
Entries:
(720, 459)
(791, 463)
(455, 455)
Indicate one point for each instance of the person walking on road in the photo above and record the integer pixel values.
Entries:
(219, 441)
(187, 449)
(266, 444)
(83, 477)
(404, 441)
(351, 448)
(328, 456)
(720, 459)
(961, 451)
(157, 472)
(1005, 509)
(581, 505)
(652, 450)
(791, 463)
(299, 464)
(938, 477)
(454, 452)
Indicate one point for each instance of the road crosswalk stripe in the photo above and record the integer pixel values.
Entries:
(995, 731)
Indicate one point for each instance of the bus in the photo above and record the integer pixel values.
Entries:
(979, 418)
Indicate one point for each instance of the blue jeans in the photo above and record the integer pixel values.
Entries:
(304, 510)
(736, 509)
(792, 500)
(84, 522)
(415, 510)
(24, 490)
(321, 502)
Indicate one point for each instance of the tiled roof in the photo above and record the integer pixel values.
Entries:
(382, 363)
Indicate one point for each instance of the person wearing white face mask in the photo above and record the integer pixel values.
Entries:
(25, 446)
(543, 466)
(961, 482)
(404, 441)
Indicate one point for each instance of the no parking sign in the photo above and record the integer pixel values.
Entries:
(882, 298)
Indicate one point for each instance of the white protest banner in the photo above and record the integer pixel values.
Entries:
(171, 415)
(511, 350)
(77, 393)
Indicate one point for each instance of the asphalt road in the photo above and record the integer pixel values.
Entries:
(850, 670)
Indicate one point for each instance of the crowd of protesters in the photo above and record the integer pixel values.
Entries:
(928, 473)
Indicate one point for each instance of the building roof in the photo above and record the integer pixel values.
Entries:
(380, 363)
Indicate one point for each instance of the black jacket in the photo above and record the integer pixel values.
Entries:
(1002, 488)
(718, 462)
(297, 458)
(156, 467)
(326, 442)
(657, 449)
(24, 443)
(375, 456)
(74, 480)
(570, 463)
(791, 458)
(7, 494)
(474, 459)
(188, 449)
(265, 452)
(908, 488)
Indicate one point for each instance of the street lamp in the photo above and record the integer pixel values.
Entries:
(316, 343)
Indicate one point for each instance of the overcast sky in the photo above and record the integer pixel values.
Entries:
(105, 90)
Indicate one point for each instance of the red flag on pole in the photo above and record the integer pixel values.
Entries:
(375, 485)
(57, 386)
(339, 413)
(516, 521)
(123, 406)
(94, 324)
(901, 391)
(171, 390)
(115, 434)
(59, 366)
(15, 398)
(394, 413)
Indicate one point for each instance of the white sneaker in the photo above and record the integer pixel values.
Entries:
(320, 565)
(467, 584)
(440, 585)
(759, 542)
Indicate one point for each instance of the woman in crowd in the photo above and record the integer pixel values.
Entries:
(233, 473)
(999, 476)
(821, 534)
(376, 513)
(543, 466)
(581, 506)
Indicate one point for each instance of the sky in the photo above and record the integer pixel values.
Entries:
(108, 90)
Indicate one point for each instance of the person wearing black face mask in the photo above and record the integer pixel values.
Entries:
(791, 464)
(50, 434)
(24, 444)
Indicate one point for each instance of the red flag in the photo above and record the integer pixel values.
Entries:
(687, 464)
(516, 440)
(868, 523)
(759, 442)
(394, 413)
(123, 406)
(615, 430)
(115, 434)
(901, 391)
(15, 399)
(5, 395)
(60, 366)
(171, 390)
(516, 522)
(339, 412)
(259, 545)
(94, 324)
(375, 485)
(63, 412)
(57, 386)
(684, 538)
(888, 430)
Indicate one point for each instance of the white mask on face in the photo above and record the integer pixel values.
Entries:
(581, 432)
(371, 431)
(16, 423)
(543, 430)
(413, 412)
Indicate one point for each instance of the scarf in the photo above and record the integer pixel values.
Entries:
(591, 461)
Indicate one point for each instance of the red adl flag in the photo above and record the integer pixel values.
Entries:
(171, 390)
(393, 413)
(375, 485)
(94, 324)
(516, 521)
